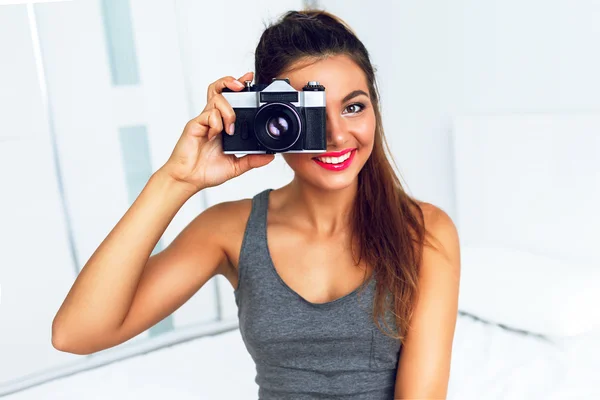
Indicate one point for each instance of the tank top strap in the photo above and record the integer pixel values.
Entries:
(254, 252)
(260, 208)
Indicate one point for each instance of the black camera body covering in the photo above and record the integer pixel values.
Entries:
(276, 118)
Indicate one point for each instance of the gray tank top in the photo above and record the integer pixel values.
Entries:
(305, 350)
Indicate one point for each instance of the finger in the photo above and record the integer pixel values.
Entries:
(207, 123)
(247, 162)
(248, 76)
(227, 114)
(195, 127)
(225, 82)
(215, 123)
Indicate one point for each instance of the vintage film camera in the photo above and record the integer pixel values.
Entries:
(276, 118)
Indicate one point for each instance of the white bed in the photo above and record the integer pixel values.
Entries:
(490, 362)
(511, 173)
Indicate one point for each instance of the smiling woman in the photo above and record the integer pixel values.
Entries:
(352, 196)
(345, 285)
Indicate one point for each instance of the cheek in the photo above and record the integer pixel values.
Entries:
(364, 131)
(367, 134)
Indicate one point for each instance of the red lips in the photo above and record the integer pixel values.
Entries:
(335, 153)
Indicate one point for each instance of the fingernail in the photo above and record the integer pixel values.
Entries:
(231, 129)
(238, 84)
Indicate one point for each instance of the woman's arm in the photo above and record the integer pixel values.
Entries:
(424, 365)
(120, 291)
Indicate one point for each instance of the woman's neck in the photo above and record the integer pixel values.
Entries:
(326, 212)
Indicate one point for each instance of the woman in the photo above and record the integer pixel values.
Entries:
(315, 264)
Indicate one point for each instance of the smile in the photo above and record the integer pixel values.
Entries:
(341, 162)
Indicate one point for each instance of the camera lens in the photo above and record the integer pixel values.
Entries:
(278, 126)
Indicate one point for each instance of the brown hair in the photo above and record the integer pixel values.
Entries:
(386, 222)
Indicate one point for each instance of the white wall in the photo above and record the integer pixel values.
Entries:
(35, 262)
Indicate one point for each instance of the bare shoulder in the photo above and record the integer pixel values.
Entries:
(434, 216)
(225, 223)
(228, 216)
(441, 226)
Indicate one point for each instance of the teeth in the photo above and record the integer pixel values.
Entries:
(334, 160)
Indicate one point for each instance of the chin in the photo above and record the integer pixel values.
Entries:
(330, 184)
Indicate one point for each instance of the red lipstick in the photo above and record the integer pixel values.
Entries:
(339, 166)
(335, 153)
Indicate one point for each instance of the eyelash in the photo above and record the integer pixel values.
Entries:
(362, 107)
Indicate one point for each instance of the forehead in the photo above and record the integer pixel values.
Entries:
(339, 74)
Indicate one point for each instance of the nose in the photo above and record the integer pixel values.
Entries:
(336, 132)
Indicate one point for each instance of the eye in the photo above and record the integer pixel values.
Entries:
(355, 108)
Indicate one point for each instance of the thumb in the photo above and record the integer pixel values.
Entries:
(250, 161)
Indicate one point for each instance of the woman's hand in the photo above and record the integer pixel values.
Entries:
(198, 160)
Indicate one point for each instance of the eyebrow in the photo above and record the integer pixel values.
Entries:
(353, 94)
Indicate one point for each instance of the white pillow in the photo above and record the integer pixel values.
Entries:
(530, 292)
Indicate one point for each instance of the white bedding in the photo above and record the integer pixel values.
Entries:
(489, 362)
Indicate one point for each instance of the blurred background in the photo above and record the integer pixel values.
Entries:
(95, 93)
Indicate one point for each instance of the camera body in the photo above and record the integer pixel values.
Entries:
(276, 118)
